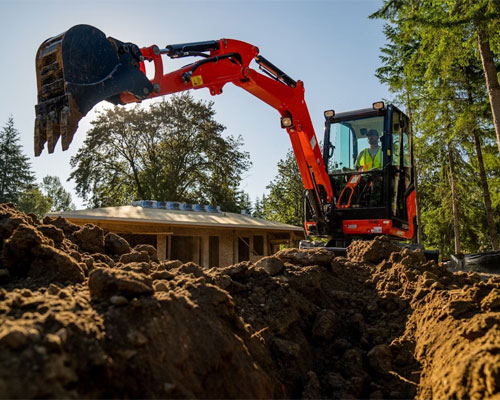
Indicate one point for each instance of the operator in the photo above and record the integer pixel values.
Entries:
(371, 157)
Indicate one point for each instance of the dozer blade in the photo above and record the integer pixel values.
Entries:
(76, 70)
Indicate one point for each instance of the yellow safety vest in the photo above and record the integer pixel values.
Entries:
(368, 163)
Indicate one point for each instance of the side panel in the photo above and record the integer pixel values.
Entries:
(411, 206)
(357, 227)
(367, 227)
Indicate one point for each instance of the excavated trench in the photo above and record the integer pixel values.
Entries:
(83, 315)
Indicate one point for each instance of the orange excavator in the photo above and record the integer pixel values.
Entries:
(81, 67)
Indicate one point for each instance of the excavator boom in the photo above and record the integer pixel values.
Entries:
(81, 67)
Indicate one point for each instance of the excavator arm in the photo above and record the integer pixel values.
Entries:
(81, 67)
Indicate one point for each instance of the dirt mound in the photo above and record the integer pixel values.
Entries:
(457, 336)
(373, 251)
(85, 315)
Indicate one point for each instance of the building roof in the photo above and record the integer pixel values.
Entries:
(134, 214)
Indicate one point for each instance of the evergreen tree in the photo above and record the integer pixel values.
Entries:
(243, 202)
(15, 170)
(258, 208)
(61, 199)
(439, 20)
(433, 62)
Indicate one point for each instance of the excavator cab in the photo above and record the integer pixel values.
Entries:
(368, 155)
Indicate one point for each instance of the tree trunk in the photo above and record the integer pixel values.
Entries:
(486, 192)
(410, 128)
(490, 74)
(140, 191)
(482, 176)
(454, 201)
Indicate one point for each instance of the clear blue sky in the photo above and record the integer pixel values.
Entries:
(331, 46)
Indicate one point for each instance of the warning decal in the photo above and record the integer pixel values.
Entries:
(196, 80)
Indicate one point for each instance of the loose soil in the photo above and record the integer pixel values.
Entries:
(84, 315)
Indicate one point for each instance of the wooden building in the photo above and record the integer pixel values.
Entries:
(210, 239)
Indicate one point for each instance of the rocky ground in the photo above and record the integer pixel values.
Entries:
(83, 315)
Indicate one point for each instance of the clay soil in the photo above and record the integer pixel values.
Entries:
(83, 315)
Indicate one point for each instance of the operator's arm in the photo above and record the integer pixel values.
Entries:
(357, 164)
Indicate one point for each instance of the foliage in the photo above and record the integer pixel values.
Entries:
(61, 199)
(285, 202)
(433, 66)
(173, 150)
(33, 201)
(243, 202)
(15, 170)
(258, 208)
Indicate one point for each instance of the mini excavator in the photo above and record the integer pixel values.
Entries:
(81, 67)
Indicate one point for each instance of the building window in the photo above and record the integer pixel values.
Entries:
(213, 251)
(258, 245)
(243, 249)
(182, 248)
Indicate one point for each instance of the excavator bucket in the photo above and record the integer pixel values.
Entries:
(76, 70)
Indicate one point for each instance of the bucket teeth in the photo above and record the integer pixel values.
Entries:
(55, 119)
(63, 127)
(40, 137)
(51, 132)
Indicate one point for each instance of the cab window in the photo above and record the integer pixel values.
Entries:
(348, 139)
(399, 134)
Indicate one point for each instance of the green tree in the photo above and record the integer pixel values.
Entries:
(243, 202)
(433, 65)
(33, 201)
(61, 199)
(396, 58)
(439, 20)
(173, 150)
(285, 202)
(258, 208)
(15, 170)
